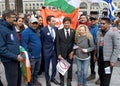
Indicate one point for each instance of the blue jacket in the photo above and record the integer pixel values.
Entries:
(9, 45)
(47, 41)
(94, 29)
(31, 42)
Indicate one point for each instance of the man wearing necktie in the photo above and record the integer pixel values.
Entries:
(52, 33)
(64, 43)
(48, 38)
(67, 34)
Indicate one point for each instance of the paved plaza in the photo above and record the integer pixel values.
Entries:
(115, 81)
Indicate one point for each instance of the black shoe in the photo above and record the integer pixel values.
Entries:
(55, 81)
(62, 83)
(48, 83)
(69, 83)
(118, 59)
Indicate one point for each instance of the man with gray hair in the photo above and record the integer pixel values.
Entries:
(9, 49)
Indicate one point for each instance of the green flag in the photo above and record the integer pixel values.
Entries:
(67, 6)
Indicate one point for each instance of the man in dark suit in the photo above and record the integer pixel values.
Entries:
(65, 42)
(48, 38)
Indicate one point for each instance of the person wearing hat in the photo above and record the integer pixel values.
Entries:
(93, 29)
(32, 44)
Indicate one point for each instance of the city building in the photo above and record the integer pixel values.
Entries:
(28, 5)
(97, 8)
(86, 7)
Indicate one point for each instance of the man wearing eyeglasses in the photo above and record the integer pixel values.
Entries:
(32, 44)
(108, 46)
(9, 48)
(94, 28)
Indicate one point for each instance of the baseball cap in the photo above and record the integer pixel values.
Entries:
(93, 17)
(33, 20)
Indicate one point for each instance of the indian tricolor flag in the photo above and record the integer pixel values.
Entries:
(68, 8)
(25, 67)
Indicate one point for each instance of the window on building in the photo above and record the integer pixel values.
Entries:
(83, 5)
(118, 6)
(33, 7)
(115, 3)
(37, 7)
(94, 6)
(26, 5)
(12, 5)
(33, 4)
(2, 5)
(29, 4)
(37, 4)
(41, 4)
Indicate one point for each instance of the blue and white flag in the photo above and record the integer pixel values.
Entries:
(111, 6)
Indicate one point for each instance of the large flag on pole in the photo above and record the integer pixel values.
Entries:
(111, 6)
(67, 6)
(59, 15)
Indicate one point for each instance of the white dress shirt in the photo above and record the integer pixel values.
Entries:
(52, 29)
(65, 31)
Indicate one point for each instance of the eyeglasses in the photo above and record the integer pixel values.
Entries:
(35, 23)
(103, 23)
(12, 16)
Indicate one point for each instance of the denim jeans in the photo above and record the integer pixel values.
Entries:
(35, 66)
(82, 71)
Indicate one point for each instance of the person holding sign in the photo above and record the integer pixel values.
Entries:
(65, 43)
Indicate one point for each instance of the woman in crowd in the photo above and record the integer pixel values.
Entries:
(84, 42)
(19, 27)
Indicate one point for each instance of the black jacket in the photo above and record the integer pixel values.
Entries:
(64, 46)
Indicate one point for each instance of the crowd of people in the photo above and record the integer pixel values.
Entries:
(93, 40)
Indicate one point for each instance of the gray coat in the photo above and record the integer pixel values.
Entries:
(111, 45)
(84, 43)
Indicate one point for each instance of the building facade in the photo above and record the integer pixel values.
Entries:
(28, 5)
(86, 6)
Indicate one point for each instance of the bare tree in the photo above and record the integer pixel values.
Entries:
(19, 6)
(7, 6)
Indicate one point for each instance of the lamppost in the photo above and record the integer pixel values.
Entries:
(1, 7)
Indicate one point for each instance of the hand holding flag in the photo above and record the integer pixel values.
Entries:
(26, 65)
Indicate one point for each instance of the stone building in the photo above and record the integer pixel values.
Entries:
(86, 6)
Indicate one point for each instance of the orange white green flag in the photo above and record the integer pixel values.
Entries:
(59, 16)
(67, 6)
(25, 67)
